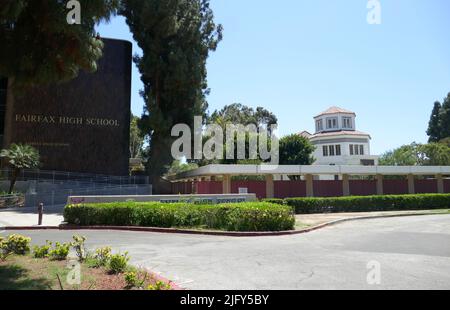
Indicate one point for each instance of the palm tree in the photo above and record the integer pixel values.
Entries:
(20, 156)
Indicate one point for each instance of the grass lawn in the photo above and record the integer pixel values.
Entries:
(28, 273)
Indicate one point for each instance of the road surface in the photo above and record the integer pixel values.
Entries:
(396, 253)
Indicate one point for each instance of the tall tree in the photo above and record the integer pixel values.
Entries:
(445, 141)
(405, 155)
(39, 46)
(238, 113)
(296, 150)
(439, 125)
(434, 126)
(179, 167)
(414, 154)
(176, 37)
(434, 154)
(445, 118)
(136, 138)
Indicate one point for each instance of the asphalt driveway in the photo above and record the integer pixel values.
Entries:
(411, 253)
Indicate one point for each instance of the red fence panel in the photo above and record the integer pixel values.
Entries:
(188, 188)
(325, 188)
(446, 185)
(178, 188)
(183, 188)
(174, 188)
(209, 187)
(426, 186)
(290, 189)
(363, 187)
(254, 187)
(322, 188)
(395, 187)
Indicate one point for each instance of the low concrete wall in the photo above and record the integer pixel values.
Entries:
(207, 199)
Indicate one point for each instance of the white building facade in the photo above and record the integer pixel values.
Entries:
(338, 142)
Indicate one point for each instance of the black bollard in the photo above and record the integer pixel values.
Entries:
(41, 213)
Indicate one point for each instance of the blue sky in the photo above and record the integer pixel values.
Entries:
(297, 58)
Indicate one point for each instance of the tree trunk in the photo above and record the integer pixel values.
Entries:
(7, 135)
(160, 157)
(15, 174)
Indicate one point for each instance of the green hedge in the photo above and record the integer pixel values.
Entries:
(369, 203)
(277, 201)
(252, 216)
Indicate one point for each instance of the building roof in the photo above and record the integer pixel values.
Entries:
(334, 110)
(215, 170)
(340, 133)
(305, 134)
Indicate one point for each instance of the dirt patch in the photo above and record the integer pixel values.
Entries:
(28, 273)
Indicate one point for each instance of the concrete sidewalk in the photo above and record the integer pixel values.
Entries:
(311, 220)
(20, 217)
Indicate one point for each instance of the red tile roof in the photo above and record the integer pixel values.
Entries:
(339, 133)
(334, 110)
(305, 134)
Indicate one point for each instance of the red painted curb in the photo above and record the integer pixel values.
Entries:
(165, 230)
(172, 284)
(30, 228)
(176, 231)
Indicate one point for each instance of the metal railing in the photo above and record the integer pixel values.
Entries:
(54, 187)
(59, 197)
(60, 176)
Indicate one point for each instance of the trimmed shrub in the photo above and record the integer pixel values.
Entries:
(60, 251)
(277, 201)
(42, 251)
(101, 258)
(369, 203)
(79, 247)
(131, 279)
(159, 286)
(118, 263)
(251, 216)
(15, 244)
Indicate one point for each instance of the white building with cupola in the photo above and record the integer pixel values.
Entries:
(338, 142)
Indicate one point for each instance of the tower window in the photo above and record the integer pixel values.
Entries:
(338, 150)
(319, 125)
(347, 122)
(331, 150)
(332, 123)
(356, 149)
(325, 150)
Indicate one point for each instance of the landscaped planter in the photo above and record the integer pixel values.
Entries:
(239, 217)
(11, 201)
